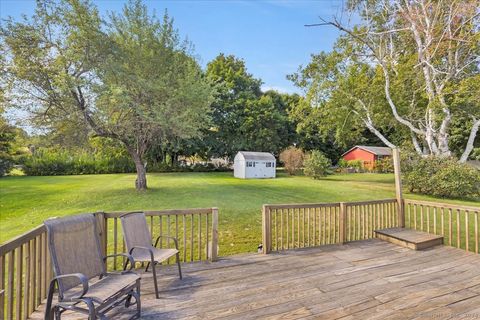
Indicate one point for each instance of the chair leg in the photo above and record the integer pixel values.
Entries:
(137, 297)
(179, 267)
(58, 313)
(148, 265)
(155, 279)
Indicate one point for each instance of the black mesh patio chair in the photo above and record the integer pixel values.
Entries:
(139, 244)
(83, 283)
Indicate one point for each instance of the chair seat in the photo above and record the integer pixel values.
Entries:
(105, 288)
(159, 255)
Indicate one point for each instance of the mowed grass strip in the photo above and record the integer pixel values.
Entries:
(26, 201)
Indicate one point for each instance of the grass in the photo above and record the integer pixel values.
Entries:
(26, 201)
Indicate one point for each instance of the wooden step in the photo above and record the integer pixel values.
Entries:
(408, 238)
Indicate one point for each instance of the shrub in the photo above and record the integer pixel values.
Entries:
(384, 165)
(50, 162)
(440, 177)
(317, 165)
(292, 159)
(342, 163)
(6, 163)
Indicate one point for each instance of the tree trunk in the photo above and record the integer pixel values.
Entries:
(141, 181)
(471, 140)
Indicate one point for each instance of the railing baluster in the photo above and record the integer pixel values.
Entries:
(192, 221)
(115, 242)
(415, 213)
(330, 225)
(442, 221)
(458, 228)
(2, 286)
(199, 237)
(207, 234)
(450, 231)
(308, 227)
(18, 281)
(476, 231)
(161, 231)
(467, 230)
(184, 236)
(26, 283)
(176, 230)
(42, 255)
(359, 225)
(10, 290)
(303, 226)
(281, 228)
(428, 219)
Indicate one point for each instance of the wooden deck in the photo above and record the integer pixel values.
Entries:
(369, 279)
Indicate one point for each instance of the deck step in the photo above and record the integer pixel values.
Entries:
(408, 238)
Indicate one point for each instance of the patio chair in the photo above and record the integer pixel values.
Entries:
(139, 244)
(83, 283)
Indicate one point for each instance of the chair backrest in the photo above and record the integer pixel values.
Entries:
(75, 248)
(135, 230)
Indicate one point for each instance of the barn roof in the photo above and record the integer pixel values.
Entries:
(379, 151)
(264, 156)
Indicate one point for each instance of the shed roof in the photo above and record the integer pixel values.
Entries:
(379, 151)
(264, 156)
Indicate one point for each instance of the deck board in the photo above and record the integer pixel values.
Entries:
(369, 279)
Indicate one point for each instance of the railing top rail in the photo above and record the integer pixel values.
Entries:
(359, 203)
(21, 239)
(116, 214)
(326, 204)
(302, 205)
(442, 205)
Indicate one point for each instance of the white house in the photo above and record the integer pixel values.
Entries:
(256, 165)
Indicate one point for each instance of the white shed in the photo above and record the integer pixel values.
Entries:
(256, 165)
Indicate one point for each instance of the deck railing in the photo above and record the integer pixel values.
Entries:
(456, 223)
(291, 226)
(26, 269)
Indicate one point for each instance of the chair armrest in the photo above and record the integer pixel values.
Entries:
(128, 256)
(175, 240)
(83, 279)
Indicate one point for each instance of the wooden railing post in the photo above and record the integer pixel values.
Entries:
(398, 188)
(266, 232)
(214, 254)
(343, 223)
(102, 230)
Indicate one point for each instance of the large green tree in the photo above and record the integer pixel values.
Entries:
(130, 79)
(235, 88)
(244, 117)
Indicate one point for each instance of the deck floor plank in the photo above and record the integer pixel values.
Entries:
(369, 279)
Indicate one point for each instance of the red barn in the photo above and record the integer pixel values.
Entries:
(367, 154)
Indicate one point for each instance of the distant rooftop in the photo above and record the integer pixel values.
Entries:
(379, 151)
(262, 156)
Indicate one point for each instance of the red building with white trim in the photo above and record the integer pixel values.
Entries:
(367, 154)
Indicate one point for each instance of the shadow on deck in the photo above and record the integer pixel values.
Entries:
(368, 279)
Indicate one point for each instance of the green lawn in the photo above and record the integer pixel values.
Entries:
(26, 201)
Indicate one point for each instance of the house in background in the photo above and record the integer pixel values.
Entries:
(254, 165)
(367, 154)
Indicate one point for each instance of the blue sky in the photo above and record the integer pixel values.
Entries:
(269, 35)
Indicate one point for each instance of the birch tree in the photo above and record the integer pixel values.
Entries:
(441, 38)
